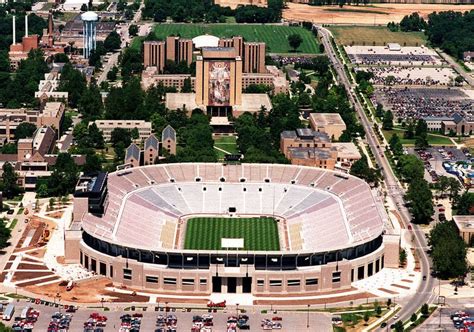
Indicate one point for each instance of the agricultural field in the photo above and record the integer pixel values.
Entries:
(354, 35)
(205, 233)
(275, 36)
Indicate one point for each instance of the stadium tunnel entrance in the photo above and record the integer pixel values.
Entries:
(232, 285)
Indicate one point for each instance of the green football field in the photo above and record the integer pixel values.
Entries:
(205, 233)
(275, 36)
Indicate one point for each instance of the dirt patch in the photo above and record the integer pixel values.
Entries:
(61, 259)
(120, 297)
(25, 266)
(35, 282)
(38, 253)
(375, 14)
(400, 286)
(335, 299)
(30, 275)
(8, 265)
(55, 215)
(388, 291)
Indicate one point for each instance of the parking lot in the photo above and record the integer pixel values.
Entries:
(290, 321)
(446, 320)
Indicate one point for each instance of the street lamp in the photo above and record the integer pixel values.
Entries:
(307, 317)
(237, 309)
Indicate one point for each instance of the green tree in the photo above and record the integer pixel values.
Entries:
(42, 190)
(112, 41)
(133, 30)
(24, 130)
(395, 145)
(379, 111)
(187, 87)
(294, 40)
(93, 163)
(421, 200)
(9, 148)
(464, 204)
(399, 326)
(378, 310)
(448, 250)
(9, 184)
(120, 135)
(366, 317)
(5, 234)
(413, 317)
(410, 167)
(64, 176)
(425, 310)
(90, 103)
(134, 133)
(402, 257)
(421, 142)
(421, 128)
(454, 188)
(112, 74)
(387, 123)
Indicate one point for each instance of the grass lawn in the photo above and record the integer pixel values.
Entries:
(227, 143)
(205, 233)
(346, 35)
(432, 139)
(275, 36)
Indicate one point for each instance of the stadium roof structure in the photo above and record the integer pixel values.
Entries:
(205, 41)
(322, 210)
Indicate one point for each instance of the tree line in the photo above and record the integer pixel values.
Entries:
(197, 11)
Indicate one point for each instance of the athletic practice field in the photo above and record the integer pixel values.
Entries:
(205, 233)
(275, 36)
(348, 35)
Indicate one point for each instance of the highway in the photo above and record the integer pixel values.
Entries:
(424, 292)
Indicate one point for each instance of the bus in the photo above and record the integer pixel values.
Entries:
(25, 312)
(9, 311)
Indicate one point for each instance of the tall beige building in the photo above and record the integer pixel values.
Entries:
(251, 53)
(218, 80)
(156, 53)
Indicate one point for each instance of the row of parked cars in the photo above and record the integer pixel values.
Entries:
(463, 321)
(95, 323)
(272, 324)
(26, 321)
(166, 323)
(131, 323)
(202, 323)
(59, 322)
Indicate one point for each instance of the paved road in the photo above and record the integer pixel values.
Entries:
(457, 67)
(394, 188)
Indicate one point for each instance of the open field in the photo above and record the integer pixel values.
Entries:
(432, 139)
(275, 36)
(371, 15)
(205, 233)
(347, 35)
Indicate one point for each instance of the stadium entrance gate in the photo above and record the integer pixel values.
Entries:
(231, 285)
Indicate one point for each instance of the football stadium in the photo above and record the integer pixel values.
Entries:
(196, 229)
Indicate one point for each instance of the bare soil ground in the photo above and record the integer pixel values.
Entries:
(372, 15)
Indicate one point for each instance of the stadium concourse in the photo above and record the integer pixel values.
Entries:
(130, 226)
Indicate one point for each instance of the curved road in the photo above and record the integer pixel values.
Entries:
(424, 292)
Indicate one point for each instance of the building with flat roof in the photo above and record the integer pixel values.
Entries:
(107, 126)
(329, 123)
(307, 147)
(465, 225)
(175, 49)
(51, 114)
(151, 76)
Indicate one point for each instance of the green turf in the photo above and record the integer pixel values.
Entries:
(205, 233)
(432, 139)
(275, 36)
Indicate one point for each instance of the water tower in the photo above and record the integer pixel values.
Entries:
(89, 20)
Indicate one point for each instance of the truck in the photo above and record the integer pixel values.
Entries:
(9, 311)
(25, 312)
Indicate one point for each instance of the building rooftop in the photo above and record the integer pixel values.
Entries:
(151, 142)
(323, 119)
(168, 133)
(464, 223)
(133, 151)
(309, 153)
(205, 41)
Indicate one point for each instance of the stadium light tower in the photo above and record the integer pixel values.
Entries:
(89, 20)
